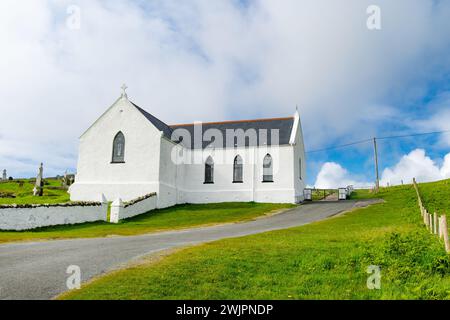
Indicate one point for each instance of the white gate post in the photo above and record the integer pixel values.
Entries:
(116, 210)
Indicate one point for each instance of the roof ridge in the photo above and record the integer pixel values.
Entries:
(233, 121)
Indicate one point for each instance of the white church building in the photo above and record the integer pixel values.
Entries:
(128, 153)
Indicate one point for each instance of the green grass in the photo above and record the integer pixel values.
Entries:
(24, 193)
(436, 196)
(323, 260)
(178, 217)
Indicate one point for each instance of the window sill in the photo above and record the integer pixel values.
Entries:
(117, 162)
(238, 181)
(208, 182)
(267, 181)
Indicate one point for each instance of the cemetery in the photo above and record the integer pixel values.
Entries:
(33, 191)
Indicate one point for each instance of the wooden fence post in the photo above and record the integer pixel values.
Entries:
(430, 216)
(440, 228)
(445, 233)
(435, 223)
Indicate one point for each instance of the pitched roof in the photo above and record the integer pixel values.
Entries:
(283, 125)
(161, 126)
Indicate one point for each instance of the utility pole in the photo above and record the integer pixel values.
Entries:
(377, 182)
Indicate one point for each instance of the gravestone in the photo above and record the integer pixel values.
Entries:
(38, 189)
(4, 175)
(67, 180)
(64, 179)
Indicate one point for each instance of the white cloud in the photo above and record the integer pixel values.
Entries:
(417, 165)
(208, 60)
(445, 169)
(333, 175)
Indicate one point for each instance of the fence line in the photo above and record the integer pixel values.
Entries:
(435, 224)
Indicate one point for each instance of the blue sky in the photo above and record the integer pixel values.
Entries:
(221, 60)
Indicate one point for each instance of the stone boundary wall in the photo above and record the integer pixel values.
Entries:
(27, 217)
(121, 210)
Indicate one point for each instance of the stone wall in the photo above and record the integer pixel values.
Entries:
(121, 210)
(26, 217)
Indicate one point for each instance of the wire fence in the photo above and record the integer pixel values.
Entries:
(435, 224)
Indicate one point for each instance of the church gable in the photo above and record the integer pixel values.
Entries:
(121, 145)
(123, 113)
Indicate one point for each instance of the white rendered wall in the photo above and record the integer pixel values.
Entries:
(223, 189)
(299, 153)
(139, 175)
(127, 190)
(282, 190)
(170, 175)
(42, 216)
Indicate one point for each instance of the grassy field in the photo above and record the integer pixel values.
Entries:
(323, 260)
(178, 217)
(24, 193)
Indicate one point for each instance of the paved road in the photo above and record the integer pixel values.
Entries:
(38, 270)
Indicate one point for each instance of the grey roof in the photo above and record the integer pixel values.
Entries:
(261, 127)
(161, 126)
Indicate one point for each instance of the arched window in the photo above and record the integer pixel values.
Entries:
(267, 169)
(119, 148)
(237, 170)
(300, 168)
(209, 170)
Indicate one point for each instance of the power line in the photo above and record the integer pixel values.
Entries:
(382, 138)
(413, 135)
(340, 146)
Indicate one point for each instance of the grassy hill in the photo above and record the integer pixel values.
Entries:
(323, 260)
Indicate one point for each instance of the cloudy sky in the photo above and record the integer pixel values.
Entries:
(63, 63)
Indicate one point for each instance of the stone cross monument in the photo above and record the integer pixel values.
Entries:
(38, 189)
(4, 175)
(65, 180)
